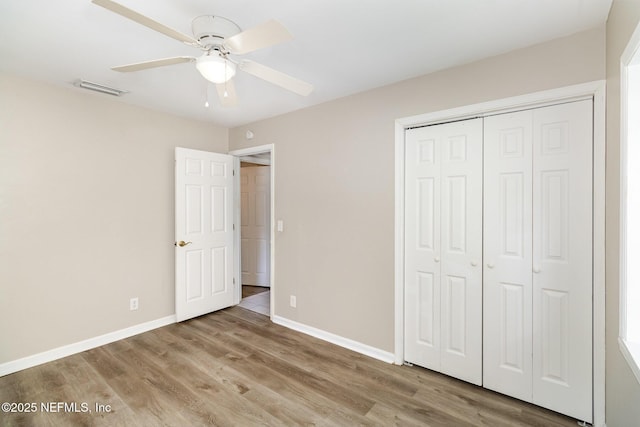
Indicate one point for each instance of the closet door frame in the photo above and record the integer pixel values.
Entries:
(592, 90)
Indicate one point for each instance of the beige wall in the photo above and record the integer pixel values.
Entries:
(622, 388)
(86, 213)
(334, 181)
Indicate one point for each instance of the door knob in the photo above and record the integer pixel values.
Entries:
(182, 243)
(536, 270)
(437, 259)
(474, 263)
(490, 265)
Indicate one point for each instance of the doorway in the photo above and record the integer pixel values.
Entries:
(255, 193)
(255, 239)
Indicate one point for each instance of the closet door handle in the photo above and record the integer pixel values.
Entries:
(437, 259)
(474, 263)
(490, 265)
(536, 270)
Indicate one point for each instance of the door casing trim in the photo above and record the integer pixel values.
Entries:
(267, 148)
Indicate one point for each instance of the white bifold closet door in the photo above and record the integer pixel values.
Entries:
(538, 256)
(443, 248)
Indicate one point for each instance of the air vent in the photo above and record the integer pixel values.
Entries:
(97, 87)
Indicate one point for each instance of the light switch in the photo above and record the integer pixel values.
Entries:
(280, 225)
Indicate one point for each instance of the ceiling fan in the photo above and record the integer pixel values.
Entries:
(220, 39)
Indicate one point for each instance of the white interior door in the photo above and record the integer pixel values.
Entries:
(443, 238)
(562, 258)
(204, 200)
(255, 232)
(507, 353)
(538, 257)
(422, 247)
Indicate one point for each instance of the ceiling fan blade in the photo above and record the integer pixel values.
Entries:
(264, 35)
(153, 64)
(144, 20)
(227, 94)
(276, 77)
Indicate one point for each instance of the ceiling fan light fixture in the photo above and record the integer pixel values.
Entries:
(215, 68)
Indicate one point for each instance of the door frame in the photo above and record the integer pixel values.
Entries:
(595, 90)
(260, 149)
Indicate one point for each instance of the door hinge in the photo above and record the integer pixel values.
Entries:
(234, 227)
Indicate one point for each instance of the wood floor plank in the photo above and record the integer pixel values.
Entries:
(338, 371)
(395, 392)
(221, 398)
(291, 387)
(236, 367)
(339, 363)
(383, 415)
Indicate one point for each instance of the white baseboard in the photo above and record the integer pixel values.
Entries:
(356, 346)
(67, 350)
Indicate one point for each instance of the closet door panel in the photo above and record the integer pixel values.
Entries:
(507, 326)
(461, 250)
(422, 246)
(443, 248)
(562, 258)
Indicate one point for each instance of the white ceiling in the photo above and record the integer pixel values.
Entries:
(340, 46)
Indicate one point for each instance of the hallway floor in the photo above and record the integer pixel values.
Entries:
(256, 299)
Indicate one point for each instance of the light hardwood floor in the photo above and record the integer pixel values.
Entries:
(249, 290)
(236, 368)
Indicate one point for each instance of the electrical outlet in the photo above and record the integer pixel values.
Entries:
(133, 304)
(292, 301)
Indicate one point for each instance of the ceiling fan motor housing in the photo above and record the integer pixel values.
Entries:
(211, 31)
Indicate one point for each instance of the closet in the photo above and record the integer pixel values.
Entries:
(498, 253)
